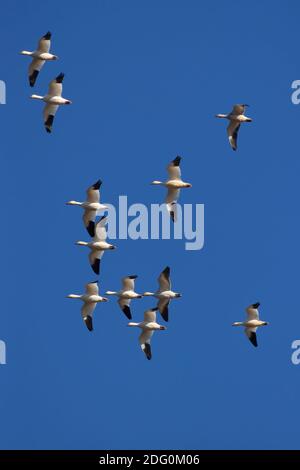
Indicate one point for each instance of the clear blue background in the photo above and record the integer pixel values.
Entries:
(146, 79)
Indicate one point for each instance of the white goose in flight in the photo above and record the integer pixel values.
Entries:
(252, 322)
(98, 245)
(236, 117)
(53, 100)
(174, 184)
(91, 206)
(90, 299)
(39, 57)
(164, 294)
(148, 326)
(126, 294)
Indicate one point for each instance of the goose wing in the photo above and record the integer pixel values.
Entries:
(164, 280)
(232, 131)
(87, 314)
(88, 218)
(55, 86)
(145, 342)
(252, 312)
(92, 288)
(238, 109)
(95, 259)
(100, 229)
(173, 169)
(49, 114)
(128, 282)
(251, 334)
(171, 199)
(34, 69)
(163, 307)
(44, 43)
(150, 315)
(93, 192)
(125, 307)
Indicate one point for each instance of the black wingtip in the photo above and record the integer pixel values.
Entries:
(167, 270)
(102, 217)
(33, 77)
(47, 35)
(253, 339)
(165, 314)
(49, 123)
(256, 305)
(89, 323)
(59, 78)
(133, 276)
(176, 161)
(147, 351)
(154, 309)
(97, 184)
(127, 312)
(96, 266)
(91, 228)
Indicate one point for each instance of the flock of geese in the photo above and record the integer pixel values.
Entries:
(97, 228)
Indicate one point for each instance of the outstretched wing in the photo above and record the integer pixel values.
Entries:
(125, 307)
(55, 86)
(163, 307)
(145, 339)
(100, 229)
(128, 282)
(174, 169)
(87, 314)
(95, 260)
(238, 109)
(49, 114)
(232, 131)
(44, 43)
(92, 288)
(164, 280)
(93, 192)
(34, 69)
(251, 334)
(89, 217)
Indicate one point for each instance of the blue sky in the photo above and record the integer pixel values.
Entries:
(146, 79)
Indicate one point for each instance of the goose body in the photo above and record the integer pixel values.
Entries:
(98, 245)
(126, 294)
(39, 57)
(91, 206)
(90, 300)
(236, 117)
(164, 294)
(252, 323)
(148, 326)
(174, 184)
(53, 100)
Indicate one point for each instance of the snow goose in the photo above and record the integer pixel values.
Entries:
(148, 326)
(39, 57)
(236, 117)
(91, 206)
(98, 245)
(164, 294)
(126, 294)
(252, 322)
(90, 299)
(174, 184)
(53, 100)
